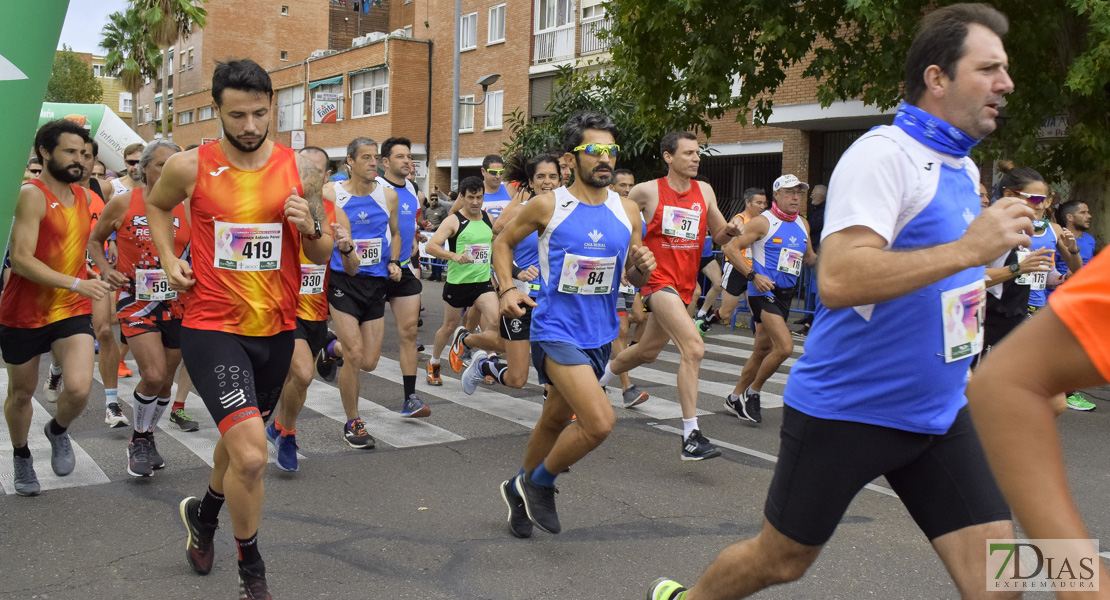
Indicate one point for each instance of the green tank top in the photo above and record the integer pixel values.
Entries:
(473, 239)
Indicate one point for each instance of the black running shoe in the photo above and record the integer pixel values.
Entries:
(519, 523)
(252, 582)
(198, 548)
(539, 503)
(751, 406)
(326, 365)
(697, 447)
(356, 436)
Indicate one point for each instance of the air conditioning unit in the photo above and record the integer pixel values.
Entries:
(375, 36)
(399, 33)
(358, 41)
(322, 53)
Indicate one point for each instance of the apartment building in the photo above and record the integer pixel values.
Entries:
(116, 97)
(348, 68)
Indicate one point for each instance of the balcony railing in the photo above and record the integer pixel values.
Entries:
(555, 44)
(591, 41)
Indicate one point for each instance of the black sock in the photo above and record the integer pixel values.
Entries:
(56, 429)
(248, 550)
(146, 435)
(495, 369)
(210, 507)
(22, 452)
(409, 382)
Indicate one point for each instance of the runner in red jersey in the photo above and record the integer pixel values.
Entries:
(312, 327)
(149, 312)
(45, 306)
(679, 211)
(254, 205)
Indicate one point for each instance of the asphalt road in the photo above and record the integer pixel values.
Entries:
(420, 516)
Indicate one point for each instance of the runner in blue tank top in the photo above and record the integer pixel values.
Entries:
(496, 196)
(586, 233)
(356, 303)
(541, 176)
(779, 242)
(880, 388)
(403, 294)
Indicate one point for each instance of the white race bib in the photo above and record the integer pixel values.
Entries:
(153, 285)
(790, 261)
(681, 223)
(1038, 280)
(626, 289)
(1024, 278)
(248, 246)
(477, 253)
(312, 279)
(587, 275)
(369, 252)
(962, 311)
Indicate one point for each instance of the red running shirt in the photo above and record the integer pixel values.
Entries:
(136, 248)
(1083, 304)
(312, 303)
(246, 256)
(675, 235)
(62, 246)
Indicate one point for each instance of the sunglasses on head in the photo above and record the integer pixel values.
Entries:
(495, 171)
(131, 162)
(1033, 198)
(613, 150)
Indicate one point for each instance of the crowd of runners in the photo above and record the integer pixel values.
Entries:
(237, 270)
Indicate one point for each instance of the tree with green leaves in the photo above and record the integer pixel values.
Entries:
(72, 80)
(1059, 57)
(131, 53)
(168, 20)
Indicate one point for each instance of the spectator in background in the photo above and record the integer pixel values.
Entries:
(434, 214)
(33, 170)
(1075, 216)
(99, 170)
(984, 196)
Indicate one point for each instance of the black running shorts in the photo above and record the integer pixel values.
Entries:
(464, 295)
(409, 285)
(943, 480)
(734, 282)
(314, 333)
(239, 377)
(20, 345)
(361, 296)
(776, 303)
(518, 329)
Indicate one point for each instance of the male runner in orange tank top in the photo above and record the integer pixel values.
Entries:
(46, 305)
(255, 205)
(679, 211)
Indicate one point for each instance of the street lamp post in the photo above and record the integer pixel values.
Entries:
(485, 82)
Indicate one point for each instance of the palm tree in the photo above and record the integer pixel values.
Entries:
(167, 21)
(131, 53)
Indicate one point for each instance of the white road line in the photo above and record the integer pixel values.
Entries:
(722, 367)
(201, 442)
(521, 412)
(768, 457)
(385, 425)
(85, 473)
(656, 408)
(719, 390)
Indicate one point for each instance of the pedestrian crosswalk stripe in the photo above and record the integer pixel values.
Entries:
(86, 472)
(708, 364)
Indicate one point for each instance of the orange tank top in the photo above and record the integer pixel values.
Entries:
(312, 303)
(246, 256)
(62, 246)
(676, 234)
(96, 206)
(136, 248)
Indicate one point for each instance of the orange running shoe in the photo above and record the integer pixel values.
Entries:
(433, 375)
(124, 371)
(455, 357)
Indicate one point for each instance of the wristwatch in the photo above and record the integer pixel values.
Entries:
(750, 276)
(395, 262)
(1014, 268)
(315, 234)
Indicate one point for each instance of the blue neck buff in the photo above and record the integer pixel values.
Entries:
(933, 131)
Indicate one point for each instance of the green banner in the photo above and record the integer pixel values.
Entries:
(29, 34)
(88, 116)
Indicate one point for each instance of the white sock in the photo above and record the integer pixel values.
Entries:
(689, 425)
(159, 408)
(608, 376)
(701, 314)
(110, 394)
(433, 361)
(55, 370)
(143, 410)
(735, 398)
